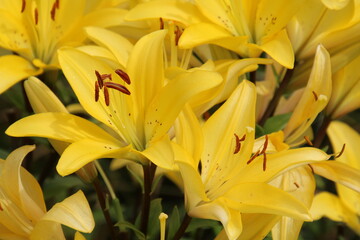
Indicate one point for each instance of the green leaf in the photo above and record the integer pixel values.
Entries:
(173, 223)
(124, 224)
(201, 223)
(154, 223)
(259, 131)
(276, 123)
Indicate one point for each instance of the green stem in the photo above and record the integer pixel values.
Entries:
(185, 223)
(105, 210)
(115, 200)
(277, 95)
(149, 172)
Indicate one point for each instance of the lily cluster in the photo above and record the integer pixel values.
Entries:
(243, 110)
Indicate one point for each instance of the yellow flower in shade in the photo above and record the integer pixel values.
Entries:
(245, 27)
(346, 90)
(35, 29)
(138, 104)
(346, 206)
(232, 179)
(23, 213)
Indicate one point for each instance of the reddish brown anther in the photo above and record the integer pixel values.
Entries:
(53, 11)
(341, 152)
(96, 91)
(124, 76)
(161, 23)
(36, 15)
(253, 157)
(307, 139)
(23, 6)
(296, 184)
(106, 96)
(315, 95)
(264, 161)
(118, 87)
(1, 208)
(57, 4)
(237, 144)
(99, 79)
(105, 76)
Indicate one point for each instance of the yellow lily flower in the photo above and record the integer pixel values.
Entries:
(247, 28)
(35, 29)
(344, 207)
(23, 213)
(346, 88)
(232, 179)
(138, 114)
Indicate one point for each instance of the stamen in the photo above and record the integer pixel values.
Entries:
(307, 139)
(341, 152)
(118, 87)
(57, 3)
(237, 144)
(96, 91)
(106, 96)
(161, 23)
(23, 6)
(36, 13)
(53, 9)
(124, 76)
(264, 162)
(99, 79)
(296, 184)
(105, 76)
(1, 208)
(315, 95)
(265, 144)
(253, 157)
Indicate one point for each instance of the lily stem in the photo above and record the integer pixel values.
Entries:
(105, 210)
(149, 173)
(185, 223)
(113, 196)
(319, 138)
(277, 95)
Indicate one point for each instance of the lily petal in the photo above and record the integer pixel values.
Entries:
(60, 126)
(82, 152)
(218, 210)
(117, 44)
(171, 99)
(13, 69)
(262, 198)
(73, 212)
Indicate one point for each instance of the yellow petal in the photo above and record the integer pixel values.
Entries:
(314, 99)
(60, 126)
(203, 33)
(188, 133)
(279, 48)
(82, 152)
(24, 190)
(300, 183)
(236, 116)
(193, 187)
(13, 69)
(218, 210)
(42, 99)
(160, 152)
(180, 11)
(166, 106)
(117, 44)
(328, 205)
(48, 231)
(335, 4)
(79, 236)
(73, 212)
(262, 198)
(280, 162)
